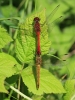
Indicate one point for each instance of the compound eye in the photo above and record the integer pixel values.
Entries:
(36, 19)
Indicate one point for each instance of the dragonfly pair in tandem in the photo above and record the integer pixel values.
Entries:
(37, 30)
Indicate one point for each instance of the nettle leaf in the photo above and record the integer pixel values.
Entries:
(4, 37)
(26, 39)
(7, 68)
(48, 83)
(25, 48)
(70, 89)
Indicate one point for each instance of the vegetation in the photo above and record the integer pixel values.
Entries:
(18, 49)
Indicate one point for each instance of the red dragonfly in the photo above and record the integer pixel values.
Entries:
(37, 30)
(38, 50)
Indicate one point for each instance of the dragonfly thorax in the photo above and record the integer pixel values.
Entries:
(37, 25)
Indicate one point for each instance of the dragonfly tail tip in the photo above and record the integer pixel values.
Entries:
(37, 86)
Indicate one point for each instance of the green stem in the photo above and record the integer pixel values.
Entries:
(17, 91)
(17, 18)
(19, 82)
(10, 94)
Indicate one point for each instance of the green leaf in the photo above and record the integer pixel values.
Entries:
(6, 99)
(36, 97)
(9, 11)
(25, 48)
(4, 37)
(2, 88)
(7, 68)
(70, 89)
(69, 68)
(48, 83)
(26, 39)
(60, 40)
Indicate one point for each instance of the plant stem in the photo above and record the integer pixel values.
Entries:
(19, 82)
(17, 91)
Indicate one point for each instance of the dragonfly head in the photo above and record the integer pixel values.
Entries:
(36, 19)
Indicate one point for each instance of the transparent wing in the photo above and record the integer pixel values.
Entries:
(50, 16)
(29, 26)
(52, 25)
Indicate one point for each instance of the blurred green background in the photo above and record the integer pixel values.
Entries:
(62, 35)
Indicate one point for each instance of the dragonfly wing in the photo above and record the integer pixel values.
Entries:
(50, 16)
(52, 25)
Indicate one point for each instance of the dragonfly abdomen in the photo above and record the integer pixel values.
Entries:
(38, 64)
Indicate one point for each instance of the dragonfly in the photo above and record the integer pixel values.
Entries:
(38, 49)
(37, 29)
